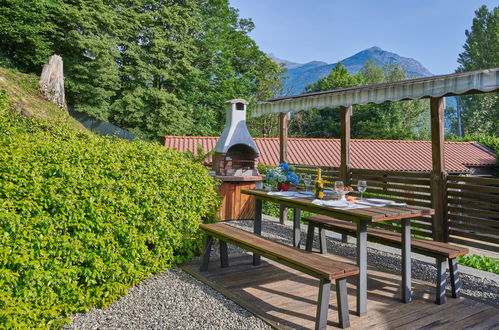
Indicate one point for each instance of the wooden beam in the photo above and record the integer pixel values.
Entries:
(346, 113)
(283, 154)
(438, 173)
(283, 137)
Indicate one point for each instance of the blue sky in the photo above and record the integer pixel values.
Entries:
(430, 31)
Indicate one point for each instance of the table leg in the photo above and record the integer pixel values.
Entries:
(257, 227)
(296, 228)
(406, 260)
(362, 264)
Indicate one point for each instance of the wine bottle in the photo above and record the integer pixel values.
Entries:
(319, 185)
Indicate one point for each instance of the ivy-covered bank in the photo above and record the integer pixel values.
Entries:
(82, 218)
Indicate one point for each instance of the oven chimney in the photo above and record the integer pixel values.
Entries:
(235, 151)
(235, 130)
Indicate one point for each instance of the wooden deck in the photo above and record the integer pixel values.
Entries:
(286, 298)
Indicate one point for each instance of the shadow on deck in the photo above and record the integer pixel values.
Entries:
(286, 298)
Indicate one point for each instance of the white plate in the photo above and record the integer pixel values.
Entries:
(336, 203)
(365, 202)
(380, 201)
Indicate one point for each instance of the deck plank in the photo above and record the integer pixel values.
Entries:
(286, 298)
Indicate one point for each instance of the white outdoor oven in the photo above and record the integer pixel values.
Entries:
(234, 163)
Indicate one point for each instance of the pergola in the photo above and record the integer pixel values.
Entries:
(434, 88)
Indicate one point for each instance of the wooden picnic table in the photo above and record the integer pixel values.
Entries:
(362, 217)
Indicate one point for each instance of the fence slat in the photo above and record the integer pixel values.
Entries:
(474, 204)
(472, 187)
(491, 181)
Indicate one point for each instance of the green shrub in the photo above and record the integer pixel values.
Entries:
(490, 141)
(82, 218)
(480, 262)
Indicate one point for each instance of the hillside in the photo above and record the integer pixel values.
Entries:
(22, 91)
(299, 75)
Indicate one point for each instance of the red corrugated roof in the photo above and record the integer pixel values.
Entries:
(395, 155)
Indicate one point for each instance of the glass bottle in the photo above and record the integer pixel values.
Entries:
(319, 185)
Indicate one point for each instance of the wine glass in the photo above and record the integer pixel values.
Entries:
(362, 187)
(338, 186)
(307, 180)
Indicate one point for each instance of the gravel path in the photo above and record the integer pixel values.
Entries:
(170, 300)
(175, 300)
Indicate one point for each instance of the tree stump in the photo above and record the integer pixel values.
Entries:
(52, 82)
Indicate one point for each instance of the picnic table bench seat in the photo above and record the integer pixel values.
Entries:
(441, 251)
(315, 265)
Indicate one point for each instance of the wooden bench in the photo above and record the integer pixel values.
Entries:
(439, 250)
(312, 264)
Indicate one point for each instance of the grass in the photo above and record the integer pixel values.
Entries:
(22, 90)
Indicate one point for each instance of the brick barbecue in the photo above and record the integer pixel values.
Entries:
(234, 163)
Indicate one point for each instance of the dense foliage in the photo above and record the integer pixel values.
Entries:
(480, 113)
(396, 120)
(153, 67)
(491, 142)
(480, 262)
(82, 218)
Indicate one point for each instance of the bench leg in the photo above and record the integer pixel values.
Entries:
(224, 256)
(322, 240)
(454, 278)
(257, 227)
(323, 304)
(362, 264)
(206, 254)
(310, 237)
(406, 260)
(296, 228)
(441, 280)
(344, 238)
(342, 298)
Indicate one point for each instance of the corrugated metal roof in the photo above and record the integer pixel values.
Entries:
(393, 155)
(481, 81)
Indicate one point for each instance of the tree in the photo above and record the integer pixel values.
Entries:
(26, 31)
(324, 123)
(231, 66)
(481, 51)
(399, 120)
(153, 67)
(390, 120)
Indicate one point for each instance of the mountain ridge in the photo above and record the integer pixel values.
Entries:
(298, 76)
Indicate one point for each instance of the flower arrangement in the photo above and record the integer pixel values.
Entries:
(282, 174)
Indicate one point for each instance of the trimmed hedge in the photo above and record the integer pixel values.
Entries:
(82, 218)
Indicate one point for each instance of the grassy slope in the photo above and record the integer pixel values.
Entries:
(22, 90)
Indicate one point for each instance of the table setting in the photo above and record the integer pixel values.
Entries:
(336, 198)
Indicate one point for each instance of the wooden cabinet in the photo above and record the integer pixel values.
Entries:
(236, 206)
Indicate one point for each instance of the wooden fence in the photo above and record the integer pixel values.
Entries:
(410, 187)
(473, 202)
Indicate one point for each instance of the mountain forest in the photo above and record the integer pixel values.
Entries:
(159, 68)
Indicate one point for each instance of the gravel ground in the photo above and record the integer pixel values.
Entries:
(170, 300)
(175, 300)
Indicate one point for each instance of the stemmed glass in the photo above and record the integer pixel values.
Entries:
(339, 187)
(362, 187)
(307, 180)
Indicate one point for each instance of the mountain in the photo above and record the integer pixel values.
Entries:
(299, 75)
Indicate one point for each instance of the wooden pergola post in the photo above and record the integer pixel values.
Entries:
(346, 113)
(283, 154)
(438, 174)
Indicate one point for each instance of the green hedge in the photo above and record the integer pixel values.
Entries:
(82, 218)
(489, 141)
